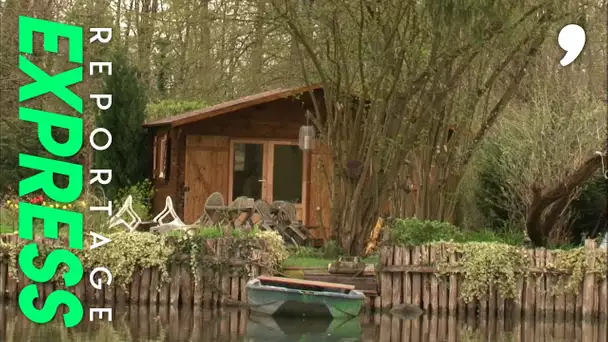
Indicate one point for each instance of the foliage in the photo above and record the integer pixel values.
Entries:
(330, 250)
(127, 156)
(128, 252)
(168, 108)
(485, 266)
(413, 232)
(9, 211)
(142, 194)
(576, 263)
(404, 88)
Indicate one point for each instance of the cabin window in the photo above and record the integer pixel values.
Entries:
(239, 157)
(154, 157)
(162, 161)
(167, 159)
(287, 173)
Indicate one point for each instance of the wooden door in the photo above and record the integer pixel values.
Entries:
(285, 176)
(207, 159)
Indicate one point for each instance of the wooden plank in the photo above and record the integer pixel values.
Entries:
(186, 286)
(144, 288)
(225, 286)
(395, 327)
(549, 284)
(197, 296)
(453, 292)
(235, 283)
(424, 279)
(604, 297)
(109, 295)
(294, 281)
(530, 286)
(406, 257)
(386, 257)
(216, 281)
(539, 262)
(3, 278)
(154, 285)
(144, 322)
(135, 285)
(397, 283)
(442, 283)
(589, 282)
(174, 286)
(385, 328)
(79, 289)
(434, 255)
(89, 289)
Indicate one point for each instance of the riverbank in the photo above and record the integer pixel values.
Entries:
(174, 324)
(488, 279)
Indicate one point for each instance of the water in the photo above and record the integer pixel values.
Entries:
(146, 324)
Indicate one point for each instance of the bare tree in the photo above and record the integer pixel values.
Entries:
(397, 75)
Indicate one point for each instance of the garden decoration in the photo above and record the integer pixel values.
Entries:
(288, 224)
(262, 216)
(127, 208)
(212, 215)
(175, 222)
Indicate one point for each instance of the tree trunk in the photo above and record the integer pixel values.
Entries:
(538, 228)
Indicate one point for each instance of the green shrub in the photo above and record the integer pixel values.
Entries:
(413, 232)
(142, 194)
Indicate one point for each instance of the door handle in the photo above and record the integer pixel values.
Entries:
(261, 180)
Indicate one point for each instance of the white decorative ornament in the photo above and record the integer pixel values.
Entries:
(127, 208)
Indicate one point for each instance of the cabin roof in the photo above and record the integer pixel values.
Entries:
(230, 106)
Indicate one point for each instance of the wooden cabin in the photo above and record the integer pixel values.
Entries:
(244, 147)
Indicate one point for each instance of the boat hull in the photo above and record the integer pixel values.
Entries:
(275, 300)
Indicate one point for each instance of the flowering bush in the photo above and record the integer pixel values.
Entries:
(13, 204)
(9, 213)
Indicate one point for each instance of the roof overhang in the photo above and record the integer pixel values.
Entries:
(230, 106)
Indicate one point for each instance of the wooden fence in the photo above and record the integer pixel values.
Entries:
(215, 289)
(409, 275)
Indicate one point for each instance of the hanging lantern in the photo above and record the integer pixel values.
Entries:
(307, 138)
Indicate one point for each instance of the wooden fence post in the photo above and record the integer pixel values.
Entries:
(589, 281)
(386, 259)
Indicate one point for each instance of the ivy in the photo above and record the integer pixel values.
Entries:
(128, 252)
(573, 263)
(485, 266)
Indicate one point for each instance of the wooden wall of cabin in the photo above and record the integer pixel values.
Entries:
(319, 192)
(280, 120)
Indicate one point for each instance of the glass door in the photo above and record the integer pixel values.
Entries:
(248, 170)
(286, 174)
(268, 170)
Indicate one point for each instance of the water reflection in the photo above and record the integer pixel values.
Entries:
(145, 324)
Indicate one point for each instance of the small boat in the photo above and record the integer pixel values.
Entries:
(280, 296)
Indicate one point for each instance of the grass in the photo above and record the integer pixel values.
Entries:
(311, 261)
